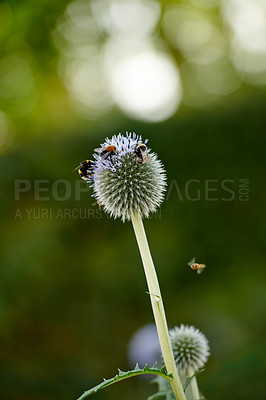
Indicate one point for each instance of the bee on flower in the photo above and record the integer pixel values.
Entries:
(141, 153)
(85, 169)
(106, 152)
(127, 177)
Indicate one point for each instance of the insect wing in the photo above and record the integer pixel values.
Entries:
(144, 156)
(190, 263)
(201, 269)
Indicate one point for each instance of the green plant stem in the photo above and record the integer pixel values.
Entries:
(194, 385)
(157, 306)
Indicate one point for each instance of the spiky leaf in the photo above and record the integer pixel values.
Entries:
(129, 374)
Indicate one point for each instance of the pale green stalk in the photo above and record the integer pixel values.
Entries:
(157, 306)
(194, 385)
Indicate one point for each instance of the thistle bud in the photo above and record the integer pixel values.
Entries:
(190, 348)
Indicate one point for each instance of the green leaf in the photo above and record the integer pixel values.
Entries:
(157, 395)
(165, 390)
(129, 374)
(188, 380)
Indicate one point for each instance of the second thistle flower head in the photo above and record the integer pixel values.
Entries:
(127, 177)
(190, 348)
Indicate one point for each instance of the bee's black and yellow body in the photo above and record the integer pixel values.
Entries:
(85, 169)
(107, 152)
(196, 266)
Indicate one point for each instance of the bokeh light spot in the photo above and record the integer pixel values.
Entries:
(131, 18)
(86, 82)
(146, 85)
(218, 78)
(194, 94)
(144, 347)
(193, 34)
(205, 4)
(16, 78)
(247, 22)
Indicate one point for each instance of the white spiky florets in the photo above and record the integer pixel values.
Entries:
(121, 185)
(190, 348)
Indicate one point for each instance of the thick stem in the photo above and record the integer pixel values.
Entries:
(157, 306)
(194, 385)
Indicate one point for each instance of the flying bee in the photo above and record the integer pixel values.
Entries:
(141, 153)
(195, 266)
(85, 169)
(107, 152)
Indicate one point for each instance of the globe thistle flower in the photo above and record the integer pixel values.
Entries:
(124, 185)
(190, 348)
(129, 182)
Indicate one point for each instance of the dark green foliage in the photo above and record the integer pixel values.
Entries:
(72, 288)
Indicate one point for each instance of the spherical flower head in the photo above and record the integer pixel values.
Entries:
(190, 348)
(126, 181)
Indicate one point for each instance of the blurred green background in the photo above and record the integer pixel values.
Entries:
(190, 76)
